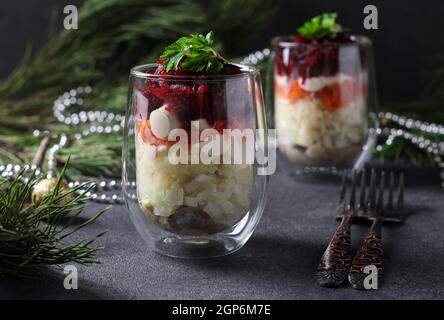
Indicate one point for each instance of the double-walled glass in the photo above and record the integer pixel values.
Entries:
(323, 93)
(185, 198)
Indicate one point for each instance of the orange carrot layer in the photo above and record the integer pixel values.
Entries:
(146, 134)
(332, 96)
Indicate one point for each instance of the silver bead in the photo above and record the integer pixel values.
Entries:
(112, 184)
(75, 120)
(91, 116)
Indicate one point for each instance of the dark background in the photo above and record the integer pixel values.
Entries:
(409, 35)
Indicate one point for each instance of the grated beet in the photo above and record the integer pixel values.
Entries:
(314, 58)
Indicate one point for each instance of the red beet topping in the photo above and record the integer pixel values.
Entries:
(192, 100)
(314, 58)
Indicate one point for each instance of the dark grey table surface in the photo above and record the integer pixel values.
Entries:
(278, 262)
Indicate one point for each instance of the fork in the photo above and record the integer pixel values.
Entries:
(371, 253)
(336, 261)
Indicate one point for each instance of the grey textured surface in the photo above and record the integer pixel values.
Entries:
(278, 262)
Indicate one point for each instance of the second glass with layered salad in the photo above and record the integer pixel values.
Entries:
(323, 91)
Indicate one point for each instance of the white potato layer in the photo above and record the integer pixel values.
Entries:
(306, 122)
(222, 191)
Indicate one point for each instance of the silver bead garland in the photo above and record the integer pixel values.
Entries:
(103, 122)
(257, 57)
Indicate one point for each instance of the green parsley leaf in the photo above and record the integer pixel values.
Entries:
(322, 26)
(194, 52)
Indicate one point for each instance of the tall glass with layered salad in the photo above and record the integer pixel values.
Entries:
(322, 95)
(190, 179)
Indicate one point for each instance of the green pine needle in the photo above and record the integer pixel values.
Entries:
(37, 235)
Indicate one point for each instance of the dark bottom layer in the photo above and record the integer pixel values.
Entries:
(319, 156)
(187, 221)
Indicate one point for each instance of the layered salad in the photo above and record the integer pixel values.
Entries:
(320, 84)
(186, 91)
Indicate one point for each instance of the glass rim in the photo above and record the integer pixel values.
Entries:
(286, 41)
(247, 71)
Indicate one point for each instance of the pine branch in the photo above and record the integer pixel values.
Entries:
(37, 234)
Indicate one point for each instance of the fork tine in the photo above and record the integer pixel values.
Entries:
(352, 202)
(400, 202)
(362, 194)
(391, 188)
(343, 189)
(371, 196)
(380, 200)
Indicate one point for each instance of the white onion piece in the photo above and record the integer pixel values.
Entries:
(162, 122)
(316, 83)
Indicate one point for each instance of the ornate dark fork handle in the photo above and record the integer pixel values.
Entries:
(370, 254)
(336, 260)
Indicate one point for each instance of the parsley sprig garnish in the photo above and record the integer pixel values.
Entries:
(194, 52)
(322, 26)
